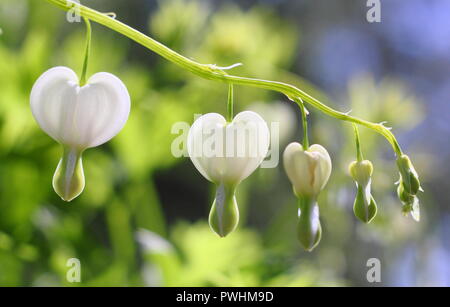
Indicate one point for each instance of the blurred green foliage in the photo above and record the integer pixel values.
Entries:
(117, 227)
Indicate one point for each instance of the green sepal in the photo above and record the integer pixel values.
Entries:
(68, 180)
(309, 230)
(364, 207)
(224, 214)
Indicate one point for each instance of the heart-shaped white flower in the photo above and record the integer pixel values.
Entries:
(225, 154)
(228, 152)
(78, 118)
(308, 170)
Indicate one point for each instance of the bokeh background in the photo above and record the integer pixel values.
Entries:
(142, 219)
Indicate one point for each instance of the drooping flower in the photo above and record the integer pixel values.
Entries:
(364, 207)
(408, 175)
(308, 170)
(78, 118)
(226, 153)
(408, 187)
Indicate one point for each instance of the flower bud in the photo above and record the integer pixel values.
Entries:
(364, 207)
(361, 171)
(408, 187)
(225, 154)
(78, 118)
(408, 175)
(308, 170)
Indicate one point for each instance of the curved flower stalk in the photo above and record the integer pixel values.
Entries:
(78, 117)
(308, 170)
(226, 153)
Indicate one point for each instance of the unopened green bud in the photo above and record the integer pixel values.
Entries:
(361, 171)
(309, 230)
(409, 177)
(224, 214)
(68, 180)
(364, 207)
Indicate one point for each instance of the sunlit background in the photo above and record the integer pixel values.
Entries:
(142, 219)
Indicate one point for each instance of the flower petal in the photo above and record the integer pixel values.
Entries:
(104, 105)
(53, 91)
(325, 166)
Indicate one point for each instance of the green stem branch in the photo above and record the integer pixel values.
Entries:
(304, 123)
(359, 154)
(230, 102)
(87, 51)
(212, 72)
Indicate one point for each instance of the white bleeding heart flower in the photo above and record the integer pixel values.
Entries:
(78, 117)
(228, 152)
(308, 170)
(225, 154)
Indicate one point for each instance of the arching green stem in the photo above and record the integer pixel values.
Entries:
(86, 52)
(212, 72)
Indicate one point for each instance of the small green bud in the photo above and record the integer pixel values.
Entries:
(361, 171)
(365, 207)
(224, 214)
(309, 230)
(408, 187)
(408, 175)
(68, 180)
